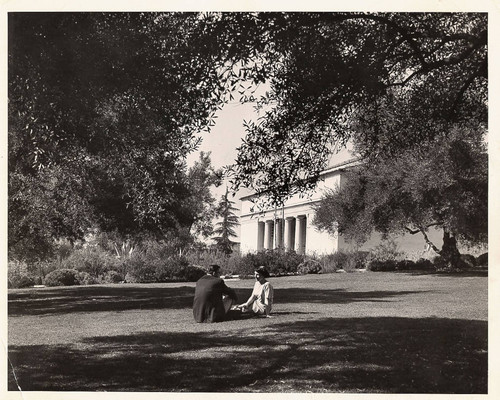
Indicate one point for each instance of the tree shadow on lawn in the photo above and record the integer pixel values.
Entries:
(122, 298)
(98, 298)
(388, 355)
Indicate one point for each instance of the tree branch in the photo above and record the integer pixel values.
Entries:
(421, 229)
(481, 71)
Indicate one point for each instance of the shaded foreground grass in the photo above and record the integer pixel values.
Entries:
(391, 333)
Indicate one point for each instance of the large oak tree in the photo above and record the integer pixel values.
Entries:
(103, 109)
(389, 80)
(441, 184)
(409, 90)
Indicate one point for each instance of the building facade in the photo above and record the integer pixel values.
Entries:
(290, 227)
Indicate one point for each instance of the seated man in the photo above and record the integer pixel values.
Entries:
(261, 299)
(209, 304)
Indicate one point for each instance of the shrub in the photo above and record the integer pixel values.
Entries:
(92, 259)
(108, 241)
(206, 257)
(62, 249)
(278, 262)
(423, 264)
(441, 265)
(129, 278)
(349, 262)
(387, 257)
(387, 250)
(405, 265)
(172, 269)
(45, 267)
(247, 265)
(141, 268)
(111, 277)
(482, 260)
(230, 264)
(84, 278)
(157, 262)
(62, 277)
(22, 281)
(334, 262)
(468, 260)
(355, 260)
(377, 265)
(309, 267)
(191, 273)
(146, 264)
(18, 275)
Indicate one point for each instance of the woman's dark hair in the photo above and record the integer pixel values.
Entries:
(263, 271)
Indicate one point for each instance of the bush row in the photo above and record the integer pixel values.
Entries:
(154, 261)
(151, 262)
(70, 277)
(401, 265)
(467, 262)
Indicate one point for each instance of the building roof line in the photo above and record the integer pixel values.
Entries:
(278, 209)
(348, 163)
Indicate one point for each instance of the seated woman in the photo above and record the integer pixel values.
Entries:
(261, 300)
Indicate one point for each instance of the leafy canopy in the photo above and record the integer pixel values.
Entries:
(103, 109)
(442, 183)
(334, 77)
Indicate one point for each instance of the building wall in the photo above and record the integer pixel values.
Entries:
(320, 242)
(280, 222)
(248, 235)
(410, 244)
(274, 229)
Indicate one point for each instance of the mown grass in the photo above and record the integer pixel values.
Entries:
(360, 332)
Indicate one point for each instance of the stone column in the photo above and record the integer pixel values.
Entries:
(301, 234)
(290, 233)
(269, 234)
(279, 233)
(260, 235)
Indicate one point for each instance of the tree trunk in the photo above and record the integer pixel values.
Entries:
(449, 251)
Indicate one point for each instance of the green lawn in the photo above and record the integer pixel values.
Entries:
(359, 332)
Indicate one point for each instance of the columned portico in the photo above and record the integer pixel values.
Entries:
(289, 227)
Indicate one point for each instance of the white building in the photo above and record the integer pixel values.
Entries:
(290, 227)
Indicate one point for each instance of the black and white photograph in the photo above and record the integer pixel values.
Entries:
(233, 200)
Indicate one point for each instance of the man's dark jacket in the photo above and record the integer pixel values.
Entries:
(207, 306)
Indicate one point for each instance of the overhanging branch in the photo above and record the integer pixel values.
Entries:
(421, 230)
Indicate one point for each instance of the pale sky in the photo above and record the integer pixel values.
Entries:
(223, 140)
(225, 137)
